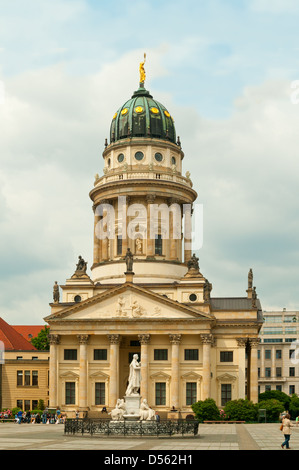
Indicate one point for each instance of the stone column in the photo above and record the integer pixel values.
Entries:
(242, 342)
(125, 222)
(82, 401)
(262, 370)
(53, 369)
(114, 369)
(97, 244)
(144, 341)
(187, 235)
(207, 340)
(150, 242)
(254, 343)
(174, 218)
(175, 371)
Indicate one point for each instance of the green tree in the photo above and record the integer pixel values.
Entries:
(294, 406)
(241, 410)
(276, 395)
(41, 342)
(206, 410)
(273, 409)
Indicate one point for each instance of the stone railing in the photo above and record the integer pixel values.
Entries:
(148, 175)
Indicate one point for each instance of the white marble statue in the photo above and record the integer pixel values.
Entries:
(146, 413)
(134, 377)
(119, 410)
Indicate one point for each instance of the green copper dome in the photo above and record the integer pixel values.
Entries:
(142, 116)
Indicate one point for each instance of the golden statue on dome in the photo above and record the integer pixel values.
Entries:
(141, 70)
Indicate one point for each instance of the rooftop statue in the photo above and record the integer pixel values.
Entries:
(142, 71)
(129, 260)
(81, 265)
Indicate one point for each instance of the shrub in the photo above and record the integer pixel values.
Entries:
(273, 409)
(294, 407)
(241, 410)
(276, 395)
(206, 410)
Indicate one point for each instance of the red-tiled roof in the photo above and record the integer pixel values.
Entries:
(13, 341)
(28, 331)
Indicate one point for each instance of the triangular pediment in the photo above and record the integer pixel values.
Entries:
(128, 302)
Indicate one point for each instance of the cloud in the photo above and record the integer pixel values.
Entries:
(275, 6)
(244, 168)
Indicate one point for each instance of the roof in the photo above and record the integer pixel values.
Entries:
(142, 116)
(233, 303)
(28, 331)
(13, 341)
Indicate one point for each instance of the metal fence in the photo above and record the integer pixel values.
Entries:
(107, 427)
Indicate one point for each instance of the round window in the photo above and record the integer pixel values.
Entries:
(139, 156)
(120, 157)
(77, 298)
(173, 160)
(192, 297)
(158, 157)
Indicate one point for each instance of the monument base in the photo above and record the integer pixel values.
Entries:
(132, 408)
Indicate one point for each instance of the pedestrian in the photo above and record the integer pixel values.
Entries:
(297, 421)
(286, 430)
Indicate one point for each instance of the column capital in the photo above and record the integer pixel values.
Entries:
(175, 339)
(83, 339)
(114, 339)
(207, 339)
(254, 342)
(150, 198)
(54, 339)
(242, 342)
(144, 339)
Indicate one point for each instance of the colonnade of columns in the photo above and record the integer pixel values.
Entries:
(103, 252)
(175, 339)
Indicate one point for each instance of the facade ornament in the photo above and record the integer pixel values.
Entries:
(134, 377)
(254, 342)
(120, 305)
(129, 261)
(114, 339)
(144, 339)
(56, 292)
(54, 339)
(207, 338)
(81, 266)
(254, 297)
(250, 279)
(83, 339)
(193, 263)
(207, 291)
(142, 71)
(242, 342)
(138, 243)
(175, 339)
(137, 310)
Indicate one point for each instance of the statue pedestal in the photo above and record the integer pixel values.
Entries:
(132, 408)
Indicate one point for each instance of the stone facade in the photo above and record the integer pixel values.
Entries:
(192, 346)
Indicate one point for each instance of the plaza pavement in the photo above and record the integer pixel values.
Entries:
(263, 436)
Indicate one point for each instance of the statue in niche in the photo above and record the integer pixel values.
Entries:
(81, 266)
(250, 279)
(56, 292)
(193, 263)
(138, 246)
(134, 377)
(119, 410)
(146, 413)
(129, 261)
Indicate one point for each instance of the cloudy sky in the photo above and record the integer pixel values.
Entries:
(225, 70)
